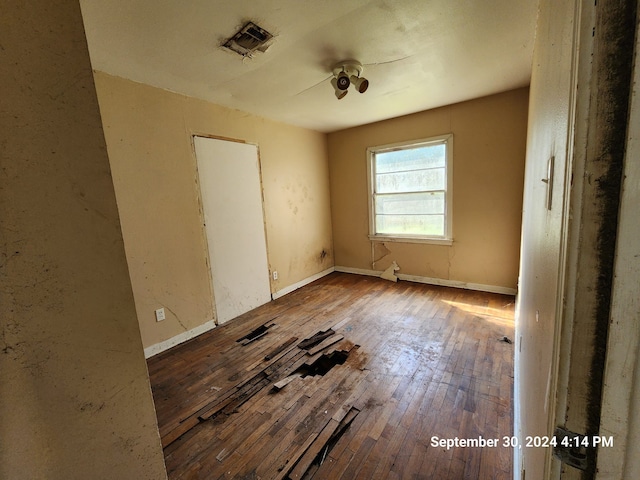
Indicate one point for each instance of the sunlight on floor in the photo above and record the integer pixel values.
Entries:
(499, 316)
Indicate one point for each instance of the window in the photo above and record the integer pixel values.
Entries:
(410, 191)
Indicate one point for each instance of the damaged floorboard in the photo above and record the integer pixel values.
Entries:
(387, 366)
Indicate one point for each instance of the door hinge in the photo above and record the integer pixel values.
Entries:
(573, 449)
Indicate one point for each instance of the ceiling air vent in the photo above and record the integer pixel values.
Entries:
(249, 39)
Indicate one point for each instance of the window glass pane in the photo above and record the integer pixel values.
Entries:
(411, 203)
(414, 181)
(409, 189)
(419, 158)
(429, 225)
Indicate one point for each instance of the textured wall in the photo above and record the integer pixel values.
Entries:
(75, 400)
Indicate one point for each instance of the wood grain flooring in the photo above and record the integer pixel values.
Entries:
(391, 366)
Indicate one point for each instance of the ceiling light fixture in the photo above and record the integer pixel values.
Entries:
(340, 92)
(345, 73)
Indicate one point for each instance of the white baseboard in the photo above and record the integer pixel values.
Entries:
(432, 281)
(205, 327)
(181, 338)
(301, 283)
(358, 271)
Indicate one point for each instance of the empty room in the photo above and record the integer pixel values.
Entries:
(281, 240)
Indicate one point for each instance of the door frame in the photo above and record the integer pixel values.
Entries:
(202, 217)
(587, 286)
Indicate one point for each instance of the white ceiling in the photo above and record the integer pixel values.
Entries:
(417, 54)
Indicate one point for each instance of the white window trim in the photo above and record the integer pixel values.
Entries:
(447, 239)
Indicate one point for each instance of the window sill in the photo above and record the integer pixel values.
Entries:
(401, 239)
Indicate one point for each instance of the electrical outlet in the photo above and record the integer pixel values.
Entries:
(275, 274)
(160, 315)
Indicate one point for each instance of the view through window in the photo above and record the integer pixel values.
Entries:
(410, 187)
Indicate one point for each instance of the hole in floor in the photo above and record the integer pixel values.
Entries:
(323, 364)
(255, 334)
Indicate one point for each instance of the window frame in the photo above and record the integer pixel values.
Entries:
(447, 238)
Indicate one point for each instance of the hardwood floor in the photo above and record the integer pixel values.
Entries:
(406, 362)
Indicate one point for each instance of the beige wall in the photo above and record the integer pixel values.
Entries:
(488, 164)
(75, 400)
(148, 133)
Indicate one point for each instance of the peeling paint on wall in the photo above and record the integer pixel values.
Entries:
(380, 251)
(390, 273)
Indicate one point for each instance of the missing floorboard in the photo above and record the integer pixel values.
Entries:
(320, 367)
(323, 364)
(259, 332)
(285, 361)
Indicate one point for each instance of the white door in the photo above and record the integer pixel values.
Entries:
(229, 175)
